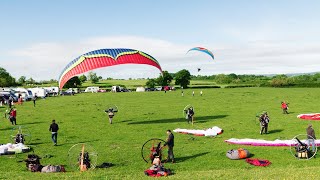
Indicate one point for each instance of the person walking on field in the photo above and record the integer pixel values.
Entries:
(170, 144)
(311, 137)
(54, 131)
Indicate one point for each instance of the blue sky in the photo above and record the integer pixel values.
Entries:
(39, 38)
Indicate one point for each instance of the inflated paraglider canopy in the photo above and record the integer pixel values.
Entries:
(204, 50)
(104, 58)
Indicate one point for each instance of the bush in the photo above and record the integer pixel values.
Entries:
(241, 86)
(205, 86)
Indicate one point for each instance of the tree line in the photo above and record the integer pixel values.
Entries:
(181, 78)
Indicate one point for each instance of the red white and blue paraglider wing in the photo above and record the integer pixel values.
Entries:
(104, 58)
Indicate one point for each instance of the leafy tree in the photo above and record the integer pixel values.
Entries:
(73, 82)
(93, 77)
(30, 81)
(6, 79)
(151, 83)
(51, 81)
(183, 78)
(233, 76)
(281, 80)
(83, 78)
(22, 80)
(222, 79)
(164, 79)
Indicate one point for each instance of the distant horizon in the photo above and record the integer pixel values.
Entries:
(142, 78)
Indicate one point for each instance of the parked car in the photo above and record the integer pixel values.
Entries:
(92, 89)
(74, 90)
(125, 90)
(66, 93)
(2, 99)
(102, 90)
(6, 97)
(150, 89)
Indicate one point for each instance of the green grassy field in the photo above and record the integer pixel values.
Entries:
(148, 115)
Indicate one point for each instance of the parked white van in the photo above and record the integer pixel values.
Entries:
(52, 91)
(140, 89)
(92, 89)
(40, 92)
(26, 94)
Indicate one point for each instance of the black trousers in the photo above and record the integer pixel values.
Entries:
(170, 153)
(54, 137)
(13, 120)
(264, 128)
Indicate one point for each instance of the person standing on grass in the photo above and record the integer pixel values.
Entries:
(54, 131)
(284, 107)
(190, 115)
(311, 137)
(13, 116)
(200, 93)
(34, 99)
(110, 113)
(264, 122)
(170, 144)
(10, 101)
(192, 93)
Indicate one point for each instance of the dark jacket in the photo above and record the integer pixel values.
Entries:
(262, 120)
(54, 127)
(170, 140)
(310, 132)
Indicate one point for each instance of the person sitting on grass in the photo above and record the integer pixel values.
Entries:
(33, 164)
(157, 169)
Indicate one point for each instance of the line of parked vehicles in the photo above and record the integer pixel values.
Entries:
(27, 94)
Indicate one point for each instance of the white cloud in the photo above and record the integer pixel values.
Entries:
(46, 60)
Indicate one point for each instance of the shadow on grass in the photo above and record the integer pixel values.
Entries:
(275, 131)
(88, 141)
(125, 121)
(7, 128)
(37, 122)
(35, 143)
(250, 155)
(182, 159)
(201, 119)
